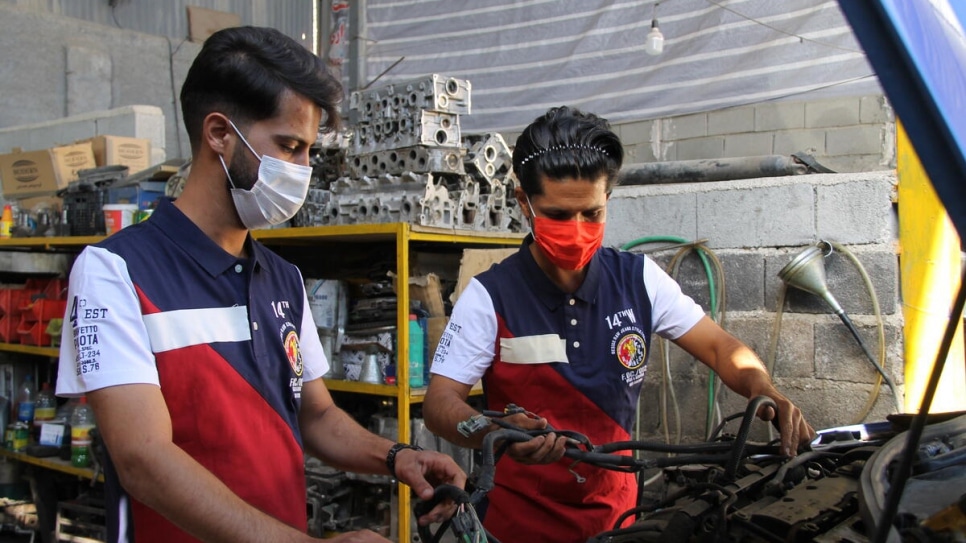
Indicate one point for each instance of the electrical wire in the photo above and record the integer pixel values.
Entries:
(785, 32)
(466, 526)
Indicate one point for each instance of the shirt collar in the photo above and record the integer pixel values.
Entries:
(186, 234)
(546, 290)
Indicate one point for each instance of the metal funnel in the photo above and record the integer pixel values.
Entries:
(807, 272)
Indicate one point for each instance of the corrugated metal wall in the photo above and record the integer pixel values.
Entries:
(169, 17)
(524, 56)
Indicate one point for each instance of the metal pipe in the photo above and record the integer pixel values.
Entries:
(717, 169)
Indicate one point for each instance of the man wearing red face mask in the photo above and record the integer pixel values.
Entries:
(563, 328)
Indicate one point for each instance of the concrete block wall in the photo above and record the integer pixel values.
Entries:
(131, 121)
(59, 67)
(755, 227)
(851, 134)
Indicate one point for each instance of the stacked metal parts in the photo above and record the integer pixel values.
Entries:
(403, 158)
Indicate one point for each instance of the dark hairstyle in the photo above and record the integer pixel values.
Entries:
(566, 143)
(243, 72)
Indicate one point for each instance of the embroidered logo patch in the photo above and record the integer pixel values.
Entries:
(292, 352)
(631, 351)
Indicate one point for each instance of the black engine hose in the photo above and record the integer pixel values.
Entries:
(484, 482)
(738, 447)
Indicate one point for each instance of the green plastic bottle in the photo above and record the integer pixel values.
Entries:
(81, 424)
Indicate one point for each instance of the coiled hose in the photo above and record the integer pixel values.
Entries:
(716, 289)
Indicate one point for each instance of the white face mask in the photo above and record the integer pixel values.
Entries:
(276, 196)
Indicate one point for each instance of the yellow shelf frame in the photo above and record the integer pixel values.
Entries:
(52, 463)
(403, 234)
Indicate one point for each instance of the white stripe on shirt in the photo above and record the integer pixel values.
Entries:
(540, 349)
(171, 330)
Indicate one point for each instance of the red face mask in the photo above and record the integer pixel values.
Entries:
(568, 244)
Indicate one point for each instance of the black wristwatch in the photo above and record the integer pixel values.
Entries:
(393, 451)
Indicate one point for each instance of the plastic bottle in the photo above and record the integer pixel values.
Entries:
(26, 401)
(81, 424)
(6, 222)
(45, 408)
(417, 352)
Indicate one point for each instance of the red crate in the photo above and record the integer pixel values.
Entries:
(8, 329)
(34, 333)
(12, 299)
(44, 309)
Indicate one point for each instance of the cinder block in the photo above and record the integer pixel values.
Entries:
(855, 140)
(634, 133)
(838, 356)
(794, 350)
(859, 163)
(731, 121)
(751, 144)
(691, 399)
(133, 121)
(743, 284)
(687, 127)
(875, 109)
(53, 133)
(699, 148)
(88, 80)
(759, 225)
(829, 404)
(639, 153)
(858, 212)
(834, 112)
(779, 116)
(634, 212)
(811, 142)
(844, 282)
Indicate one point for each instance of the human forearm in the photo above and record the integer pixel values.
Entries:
(445, 407)
(338, 440)
(170, 482)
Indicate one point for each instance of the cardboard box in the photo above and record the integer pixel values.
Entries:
(476, 261)
(43, 173)
(135, 153)
(434, 330)
(427, 290)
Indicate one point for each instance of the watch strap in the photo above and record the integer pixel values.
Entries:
(393, 451)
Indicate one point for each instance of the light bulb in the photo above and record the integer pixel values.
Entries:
(654, 42)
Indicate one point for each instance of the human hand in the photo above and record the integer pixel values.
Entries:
(795, 431)
(423, 471)
(545, 449)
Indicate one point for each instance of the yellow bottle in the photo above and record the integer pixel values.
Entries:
(6, 222)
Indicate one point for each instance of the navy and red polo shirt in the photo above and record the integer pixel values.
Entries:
(228, 340)
(577, 359)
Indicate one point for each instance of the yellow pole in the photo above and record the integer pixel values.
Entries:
(930, 264)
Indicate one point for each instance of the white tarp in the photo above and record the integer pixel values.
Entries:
(523, 57)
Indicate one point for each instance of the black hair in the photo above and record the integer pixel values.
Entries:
(567, 143)
(243, 72)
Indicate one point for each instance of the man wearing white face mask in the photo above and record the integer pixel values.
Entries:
(194, 343)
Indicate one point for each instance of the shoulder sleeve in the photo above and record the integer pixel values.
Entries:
(105, 342)
(673, 313)
(314, 362)
(467, 346)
